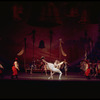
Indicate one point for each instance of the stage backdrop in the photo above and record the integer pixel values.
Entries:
(72, 35)
(23, 24)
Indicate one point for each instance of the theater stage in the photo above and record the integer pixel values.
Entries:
(71, 76)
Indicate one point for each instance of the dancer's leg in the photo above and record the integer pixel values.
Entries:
(60, 74)
(46, 72)
(51, 75)
(17, 77)
(65, 72)
(58, 71)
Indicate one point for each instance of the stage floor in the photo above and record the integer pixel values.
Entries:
(37, 85)
(71, 76)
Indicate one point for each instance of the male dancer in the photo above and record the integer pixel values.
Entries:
(43, 67)
(51, 67)
(65, 66)
(58, 64)
(15, 68)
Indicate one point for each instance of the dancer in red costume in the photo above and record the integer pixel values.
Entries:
(15, 68)
(87, 69)
(1, 70)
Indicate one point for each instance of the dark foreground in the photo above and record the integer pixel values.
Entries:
(37, 86)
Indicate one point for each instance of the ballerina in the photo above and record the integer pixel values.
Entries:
(51, 67)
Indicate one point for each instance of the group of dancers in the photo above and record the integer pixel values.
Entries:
(15, 69)
(55, 67)
(90, 69)
(52, 67)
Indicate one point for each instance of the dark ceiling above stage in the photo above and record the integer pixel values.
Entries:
(35, 9)
(93, 9)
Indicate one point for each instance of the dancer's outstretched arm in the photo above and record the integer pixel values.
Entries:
(59, 65)
(44, 61)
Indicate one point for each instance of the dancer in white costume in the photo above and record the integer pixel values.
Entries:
(57, 65)
(51, 67)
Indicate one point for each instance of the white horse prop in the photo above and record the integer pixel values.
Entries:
(51, 67)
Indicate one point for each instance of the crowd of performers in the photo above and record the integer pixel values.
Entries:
(44, 65)
(90, 69)
(54, 67)
(40, 64)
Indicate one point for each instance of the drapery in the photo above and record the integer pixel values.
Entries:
(61, 48)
